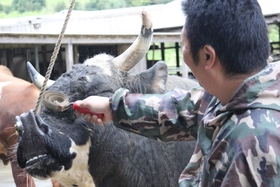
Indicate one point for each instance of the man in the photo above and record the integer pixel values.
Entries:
(235, 117)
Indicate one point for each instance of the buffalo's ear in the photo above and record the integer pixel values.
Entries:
(155, 78)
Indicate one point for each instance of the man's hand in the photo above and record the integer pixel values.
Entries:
(97, 105)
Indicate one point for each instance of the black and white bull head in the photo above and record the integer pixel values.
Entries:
(65, 147)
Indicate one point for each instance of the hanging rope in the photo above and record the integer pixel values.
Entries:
(54, 56)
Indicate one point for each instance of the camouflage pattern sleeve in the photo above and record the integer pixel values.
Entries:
(166, 117)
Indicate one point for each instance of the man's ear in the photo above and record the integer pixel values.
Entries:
(209, 56)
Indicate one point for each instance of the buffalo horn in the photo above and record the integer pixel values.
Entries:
(36, 77)
(129, 58)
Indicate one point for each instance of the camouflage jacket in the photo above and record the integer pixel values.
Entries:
(238, 143)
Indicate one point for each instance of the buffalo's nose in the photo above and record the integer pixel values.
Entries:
(18, 126)
(31, 124)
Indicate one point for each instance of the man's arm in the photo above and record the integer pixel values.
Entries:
(169, 117)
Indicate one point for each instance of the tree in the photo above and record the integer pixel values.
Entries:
(59, 6)
(5, 9)
(133, 3)
(28, 5)
(102, 5)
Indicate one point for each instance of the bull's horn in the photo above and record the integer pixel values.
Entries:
(129, 58)
(36, 77)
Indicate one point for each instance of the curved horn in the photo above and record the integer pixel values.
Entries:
(36, 77)
(129, 58)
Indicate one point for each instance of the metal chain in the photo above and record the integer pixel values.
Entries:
(54, 56)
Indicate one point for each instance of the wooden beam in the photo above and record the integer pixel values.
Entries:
(23, 39)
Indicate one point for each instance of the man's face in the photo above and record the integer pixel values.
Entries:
(197, 68)
(187, 57)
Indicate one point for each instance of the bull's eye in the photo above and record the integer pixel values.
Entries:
(18, 129)
(18, 126)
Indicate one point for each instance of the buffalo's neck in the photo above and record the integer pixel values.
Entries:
(107, 155)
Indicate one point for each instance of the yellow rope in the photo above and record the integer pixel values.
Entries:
(54, 56)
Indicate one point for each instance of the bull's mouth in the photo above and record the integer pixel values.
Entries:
(35, 160)
(37, 151)
(42, 166)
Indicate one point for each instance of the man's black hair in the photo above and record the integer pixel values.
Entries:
(236, 29)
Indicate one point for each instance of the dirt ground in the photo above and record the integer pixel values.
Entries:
(6, 178)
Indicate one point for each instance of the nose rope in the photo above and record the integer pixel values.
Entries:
(54, 56)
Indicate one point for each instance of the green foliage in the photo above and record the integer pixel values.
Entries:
(170, 54)
(273, 32)
(112, 4)
(59, 6)
(78, 6)
(39, 7)
(6, 2)
(154, 2)
(5, 9)
(139, 3)
(28, 5)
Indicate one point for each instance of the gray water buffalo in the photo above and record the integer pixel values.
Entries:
(65, 147)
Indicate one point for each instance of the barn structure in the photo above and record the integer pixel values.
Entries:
(92, 32)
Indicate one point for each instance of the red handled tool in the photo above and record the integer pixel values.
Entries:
(86, 111)
(58, 101)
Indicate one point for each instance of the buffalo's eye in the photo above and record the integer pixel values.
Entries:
(18, 126)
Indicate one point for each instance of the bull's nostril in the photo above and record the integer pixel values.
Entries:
(43, 126)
